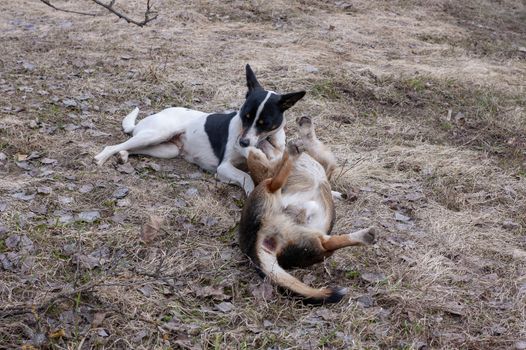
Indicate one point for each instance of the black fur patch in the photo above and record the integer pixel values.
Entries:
(336, 295)
(249, 226)
(216, 127)
(296, 255)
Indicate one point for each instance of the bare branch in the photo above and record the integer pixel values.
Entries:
(142, 23)
(148, 13)
(48, 3)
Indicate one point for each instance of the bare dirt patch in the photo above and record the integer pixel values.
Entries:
(422, 102)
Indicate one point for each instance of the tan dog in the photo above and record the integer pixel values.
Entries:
(287, 220)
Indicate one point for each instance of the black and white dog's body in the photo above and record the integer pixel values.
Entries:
(216, 142)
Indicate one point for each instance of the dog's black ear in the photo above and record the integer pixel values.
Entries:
(252, 82)
(288, 100)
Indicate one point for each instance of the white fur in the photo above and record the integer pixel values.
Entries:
(151, 137)
(308, 200)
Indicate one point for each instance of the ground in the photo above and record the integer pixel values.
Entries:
(423, 103)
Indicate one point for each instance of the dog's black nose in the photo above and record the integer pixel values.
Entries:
(244, 142)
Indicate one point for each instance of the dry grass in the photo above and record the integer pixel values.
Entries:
(422, 102)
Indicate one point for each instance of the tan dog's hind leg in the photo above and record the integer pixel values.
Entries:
(362, 237)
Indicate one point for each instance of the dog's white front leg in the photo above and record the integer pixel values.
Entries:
(228, 173)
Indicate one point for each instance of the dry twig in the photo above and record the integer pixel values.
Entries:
(148, 13)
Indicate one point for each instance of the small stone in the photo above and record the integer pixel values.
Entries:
(89, 216)
(3, 206)
(23, 196)
(311, 69)
(2, 156)
(65, 200)
(521, 344)
(12, 242)
(28, 66)
(69, 102)
(510, 225)
(125, 202)
(3, 231)
(86, 188)
(23, 165)
(120, 192)
(402, 217)
(192, 192)
(44, 190)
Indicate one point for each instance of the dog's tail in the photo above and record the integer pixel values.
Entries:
(128, 123)
(268, 264)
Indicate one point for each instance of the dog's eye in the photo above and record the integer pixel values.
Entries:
(260, 122)
(247, 115)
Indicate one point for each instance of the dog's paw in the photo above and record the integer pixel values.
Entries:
(295, 148)
(304, 121)
(124, 156)
(366, 236)
(337, 195)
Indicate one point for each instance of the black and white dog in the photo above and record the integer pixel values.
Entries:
(215, 142)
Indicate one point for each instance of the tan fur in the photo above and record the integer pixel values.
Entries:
(299, 182)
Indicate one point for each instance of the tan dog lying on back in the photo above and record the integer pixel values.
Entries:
(287, 220)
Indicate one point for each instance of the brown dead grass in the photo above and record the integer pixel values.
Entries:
(422, 102)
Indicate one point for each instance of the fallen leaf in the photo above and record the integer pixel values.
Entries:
(154, 166)
(373, 277)
(192, 192)
(263, 290)
(146, 290)
(98, 318)
(195, 175)
(209, 221)
(57, 334)
(453, 308)
(21, 157)
(365, 301)
(126, 168)
(215, 293)
(150, 229)
(225, 307)
(139, 336)
(49, 161)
